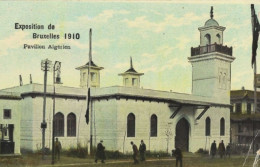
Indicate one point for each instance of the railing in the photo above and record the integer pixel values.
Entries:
(211, 48)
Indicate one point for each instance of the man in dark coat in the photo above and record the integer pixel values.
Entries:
(213, 149)
(100, 154)
(57, 149)
(228, 150)
(221, 149)
(178, 154)
(135, 152)
(142, 149)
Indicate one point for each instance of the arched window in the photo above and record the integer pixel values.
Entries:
(71, 125)
(131, 125)
(207, 132)
(59, 124)
(153, 126)
(208, 39)
(222, 127)
(219, 38)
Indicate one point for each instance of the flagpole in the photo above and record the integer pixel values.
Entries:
(255, 35)
(255, 93)
(88, 87)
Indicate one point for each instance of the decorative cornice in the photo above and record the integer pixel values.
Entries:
(119, 96)
(212, 27)
(8, 97)
(210, 56)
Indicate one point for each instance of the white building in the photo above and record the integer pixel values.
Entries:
(9, 123)
(120, 114)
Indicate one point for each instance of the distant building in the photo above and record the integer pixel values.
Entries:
(9, 123)
(120, 114)
(244, 123)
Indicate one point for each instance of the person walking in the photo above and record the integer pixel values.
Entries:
(142, 149)
(228, 150)
(100, 154)
(213, 149)
(221, 149)
(178, 155)
(57, 149)
(135, 152)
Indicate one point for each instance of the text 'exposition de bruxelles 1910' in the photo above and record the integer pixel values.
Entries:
(72, 36)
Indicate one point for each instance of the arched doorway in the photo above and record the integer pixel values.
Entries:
(182, 135)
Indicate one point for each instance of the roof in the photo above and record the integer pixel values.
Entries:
(10, 95)
(91, 64)
(211, 22)
(131, 70)
(34, 90)
(243, 94)
(244, 117)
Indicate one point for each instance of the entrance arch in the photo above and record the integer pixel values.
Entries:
(182, 135)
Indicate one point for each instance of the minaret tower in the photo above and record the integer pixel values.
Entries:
(211, 63)
(131, 78)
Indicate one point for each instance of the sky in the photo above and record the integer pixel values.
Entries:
(157, 35)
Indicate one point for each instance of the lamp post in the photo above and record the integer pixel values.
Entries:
(45, 66)
(56, 67)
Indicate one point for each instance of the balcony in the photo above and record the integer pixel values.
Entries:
(211, 48)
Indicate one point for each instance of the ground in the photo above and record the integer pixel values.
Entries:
(190, 160)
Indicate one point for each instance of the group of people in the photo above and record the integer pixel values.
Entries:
(100, 153)
(222, 150)
(142, 149)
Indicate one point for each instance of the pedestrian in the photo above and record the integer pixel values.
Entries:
(213, 149)
(178, 155)
(135, 152)
(221, 149)
(57, 149)
(228, 150)
(100, 154)
(142, 149)
(255, 164)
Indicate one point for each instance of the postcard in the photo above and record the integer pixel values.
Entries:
(151, 83)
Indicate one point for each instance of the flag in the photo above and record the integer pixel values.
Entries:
(87, 112)
(255, 31)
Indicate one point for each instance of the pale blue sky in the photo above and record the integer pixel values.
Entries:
(157, 35)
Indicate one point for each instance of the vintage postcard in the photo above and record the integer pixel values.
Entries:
(146, 83)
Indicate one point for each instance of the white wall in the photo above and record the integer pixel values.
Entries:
(15, 119)
(117, 117)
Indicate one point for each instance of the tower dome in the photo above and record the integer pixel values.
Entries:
(211, 22)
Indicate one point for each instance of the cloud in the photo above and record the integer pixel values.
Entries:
(170, 20)
(103, 43)
(243, 44)
(17, 40)
(151, 62)
(122, 65)
(234, 26)
(98, 20)
(12, 41)
(242, 78)
(148, 55)
(182, 42)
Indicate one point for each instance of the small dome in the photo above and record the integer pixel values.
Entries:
(211, 22)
